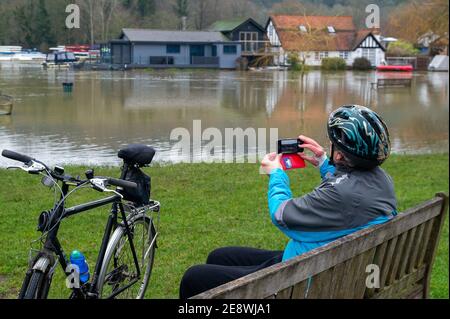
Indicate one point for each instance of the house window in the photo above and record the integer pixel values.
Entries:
(173, 48)
(214, 50)
(319, 55)
(343, 54)
(323, 54)
(229, 49)
(303, 28)
(248, 36)
(249, 41)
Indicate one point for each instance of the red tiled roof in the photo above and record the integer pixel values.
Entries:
(318, 38)
(296, 41)
(340, 23)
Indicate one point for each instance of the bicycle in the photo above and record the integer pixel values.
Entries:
(125, 259)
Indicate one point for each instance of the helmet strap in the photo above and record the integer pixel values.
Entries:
(332, 155)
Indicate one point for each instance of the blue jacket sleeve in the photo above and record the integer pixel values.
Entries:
(279, 192)
(327, 169)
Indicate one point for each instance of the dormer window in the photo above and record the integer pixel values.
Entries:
(331, 29)
(302, 28)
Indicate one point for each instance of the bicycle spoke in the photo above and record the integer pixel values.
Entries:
(122, 271)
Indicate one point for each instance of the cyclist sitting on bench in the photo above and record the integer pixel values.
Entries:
(355, 193)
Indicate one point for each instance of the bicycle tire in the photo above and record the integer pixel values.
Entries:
(120, 237)
(34, 288)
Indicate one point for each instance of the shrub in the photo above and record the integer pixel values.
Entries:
(333, 64)
(296, 64)
(361, 64)
(402, 48)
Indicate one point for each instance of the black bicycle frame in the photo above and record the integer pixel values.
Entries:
(52, 243)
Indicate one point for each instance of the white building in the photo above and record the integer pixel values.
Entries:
(316, 37)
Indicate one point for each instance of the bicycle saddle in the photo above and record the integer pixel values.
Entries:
(137, 154)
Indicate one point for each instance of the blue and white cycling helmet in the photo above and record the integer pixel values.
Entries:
(360, 134)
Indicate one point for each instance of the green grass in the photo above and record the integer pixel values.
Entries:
(203, 207)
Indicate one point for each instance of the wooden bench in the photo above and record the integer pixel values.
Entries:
(404, 249)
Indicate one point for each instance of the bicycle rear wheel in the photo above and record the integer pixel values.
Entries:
(119, 269)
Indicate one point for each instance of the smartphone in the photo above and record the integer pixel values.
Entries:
(290, 146)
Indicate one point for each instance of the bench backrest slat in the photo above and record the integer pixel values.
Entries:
(407, 252)
(403, 249)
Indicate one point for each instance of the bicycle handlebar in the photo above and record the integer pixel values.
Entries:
(121, 183)
(27, 160)
(17, 157)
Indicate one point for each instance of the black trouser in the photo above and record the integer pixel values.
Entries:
(225, 265)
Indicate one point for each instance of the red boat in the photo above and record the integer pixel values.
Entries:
(77, 48)
(397, 68)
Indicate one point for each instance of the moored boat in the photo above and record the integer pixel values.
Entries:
(60, 59)
(81, 52)
(7, 52)
(29, 56)
(17, 54)
(10, 49)
(395, 68)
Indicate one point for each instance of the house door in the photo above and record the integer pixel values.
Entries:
(121, 53)
(196, 51)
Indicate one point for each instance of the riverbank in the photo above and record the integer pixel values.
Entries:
(203, 207)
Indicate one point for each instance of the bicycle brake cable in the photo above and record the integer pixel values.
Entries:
(56, 208)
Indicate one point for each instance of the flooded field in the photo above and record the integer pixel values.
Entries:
(108, 110)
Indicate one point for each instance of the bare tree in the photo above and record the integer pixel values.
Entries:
(201, 14)
(181, 9)
(88, 6)
(106, 9)
(420, 18)
(100, 14)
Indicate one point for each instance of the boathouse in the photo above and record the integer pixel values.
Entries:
(248, 32)
(164, 48)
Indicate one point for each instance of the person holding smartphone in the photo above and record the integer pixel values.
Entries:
(355, 193)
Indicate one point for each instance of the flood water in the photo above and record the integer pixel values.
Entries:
(108, 110)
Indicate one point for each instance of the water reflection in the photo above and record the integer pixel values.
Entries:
(110, 109)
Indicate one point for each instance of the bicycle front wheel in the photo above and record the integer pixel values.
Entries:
(37, 281)
(119, 277)
(34, 289)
